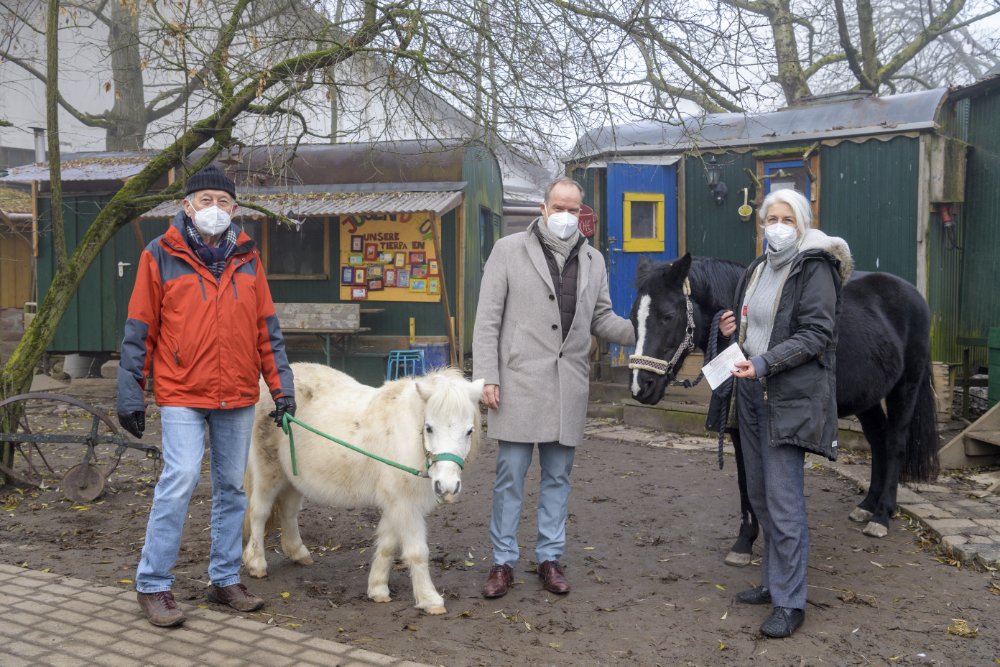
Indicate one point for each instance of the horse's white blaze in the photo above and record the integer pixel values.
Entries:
(640, 318)
(390, 422)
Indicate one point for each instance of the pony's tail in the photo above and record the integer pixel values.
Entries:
(248, 489)
(920, 463)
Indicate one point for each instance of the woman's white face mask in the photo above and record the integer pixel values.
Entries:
(563, 224)
(779, 235)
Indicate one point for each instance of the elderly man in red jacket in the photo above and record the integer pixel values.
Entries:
(201, 321)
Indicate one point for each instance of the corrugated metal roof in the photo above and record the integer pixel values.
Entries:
(318, 204)
(92, 167)
(845, 118)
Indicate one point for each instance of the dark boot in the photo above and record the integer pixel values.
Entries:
(160, 608)
(236, 596)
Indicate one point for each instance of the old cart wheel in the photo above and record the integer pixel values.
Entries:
(61, 440)
(83, 482)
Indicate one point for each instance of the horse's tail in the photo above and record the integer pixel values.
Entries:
(920, 463)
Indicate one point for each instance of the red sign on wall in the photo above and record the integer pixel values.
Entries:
(588, 221)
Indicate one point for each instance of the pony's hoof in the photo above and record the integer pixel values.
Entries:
(435, 611)
(859, 515)
(257, 572)
(380, 598)
(305, 561)
(737, 559)
(874, 529)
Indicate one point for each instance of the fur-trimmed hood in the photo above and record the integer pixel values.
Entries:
(836, 246)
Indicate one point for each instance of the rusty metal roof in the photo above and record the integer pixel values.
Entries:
(832, 117)
(88, 167)
(318, 204)
(14, 201)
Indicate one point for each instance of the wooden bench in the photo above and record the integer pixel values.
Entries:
(335, 324)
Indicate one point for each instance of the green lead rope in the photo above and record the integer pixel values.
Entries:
(286, 426)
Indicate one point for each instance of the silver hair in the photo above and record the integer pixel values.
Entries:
(796, 201)
(562, 180)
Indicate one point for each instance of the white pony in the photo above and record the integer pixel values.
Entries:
(424, 423)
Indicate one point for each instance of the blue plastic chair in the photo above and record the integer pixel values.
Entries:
(403, 363)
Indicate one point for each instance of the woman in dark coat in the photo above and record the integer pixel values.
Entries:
(785, 394)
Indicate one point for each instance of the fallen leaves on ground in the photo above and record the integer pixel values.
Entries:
(960, 628)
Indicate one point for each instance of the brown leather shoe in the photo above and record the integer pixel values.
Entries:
(236, 596)
(552, 577)
(500, 579)
(160, 608)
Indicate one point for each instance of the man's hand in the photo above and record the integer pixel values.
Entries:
(133, 422)
(491, 396)
(282, 406)
(744, 369)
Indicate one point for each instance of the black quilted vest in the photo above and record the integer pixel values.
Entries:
(565, 283)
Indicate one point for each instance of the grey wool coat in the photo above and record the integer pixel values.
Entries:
(518, 344)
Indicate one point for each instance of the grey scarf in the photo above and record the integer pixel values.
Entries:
(762, 297)
(560, 249)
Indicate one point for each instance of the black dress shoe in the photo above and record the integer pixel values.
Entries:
(755, 595)
(782, 622)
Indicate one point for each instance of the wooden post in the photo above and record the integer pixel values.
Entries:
(452, 356)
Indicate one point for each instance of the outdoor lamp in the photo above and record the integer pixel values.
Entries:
(718, 189)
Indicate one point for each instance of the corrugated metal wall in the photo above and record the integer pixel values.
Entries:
(716, 231)
(980, 221)
(869, 198)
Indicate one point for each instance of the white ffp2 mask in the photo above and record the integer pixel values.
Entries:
(211, 221)
(779, 236)
(563, 224)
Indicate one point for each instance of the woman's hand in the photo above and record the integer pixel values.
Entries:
(744, 369)
(727, 324)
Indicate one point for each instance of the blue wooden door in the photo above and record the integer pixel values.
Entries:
(642, 221)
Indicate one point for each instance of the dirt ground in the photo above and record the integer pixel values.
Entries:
(648, 530)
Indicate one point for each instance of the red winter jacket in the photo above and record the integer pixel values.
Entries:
(207, 341)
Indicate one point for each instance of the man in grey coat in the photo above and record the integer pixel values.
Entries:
(544, 292)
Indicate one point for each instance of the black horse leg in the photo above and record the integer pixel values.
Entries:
(739, 553)
(900, 405)
(873, 424)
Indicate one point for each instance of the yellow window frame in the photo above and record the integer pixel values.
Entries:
(656, 244)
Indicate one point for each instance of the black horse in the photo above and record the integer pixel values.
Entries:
(883, 354)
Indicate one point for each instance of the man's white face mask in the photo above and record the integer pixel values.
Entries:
(779, 236)
(563, 224)
(211, 221)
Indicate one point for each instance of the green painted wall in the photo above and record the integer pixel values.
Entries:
(94, 321)
(713, 230)
(868, 196)
(484, 191)
(980, 224)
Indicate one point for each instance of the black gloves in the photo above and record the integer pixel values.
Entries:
(282, 405)
(133, 422)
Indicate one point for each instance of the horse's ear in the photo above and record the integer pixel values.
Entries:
(476, 389)
(423, 390)
(678, 271)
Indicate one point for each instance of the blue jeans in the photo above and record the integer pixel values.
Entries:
(513, 460)
(183, 449)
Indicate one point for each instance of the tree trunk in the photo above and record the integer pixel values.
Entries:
(790, 77)
(128, 129)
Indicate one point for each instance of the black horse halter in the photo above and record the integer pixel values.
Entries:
(641, 362)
